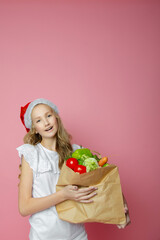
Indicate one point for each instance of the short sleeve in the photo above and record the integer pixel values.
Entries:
(30, 154)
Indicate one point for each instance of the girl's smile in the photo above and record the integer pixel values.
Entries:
(49, 129)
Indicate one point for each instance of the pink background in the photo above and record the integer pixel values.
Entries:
(98, 61)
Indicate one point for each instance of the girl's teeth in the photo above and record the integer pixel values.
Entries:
(49, 129)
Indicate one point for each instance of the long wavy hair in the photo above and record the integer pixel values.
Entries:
(63, 140)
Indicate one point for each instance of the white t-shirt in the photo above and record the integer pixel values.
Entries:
(46, 225)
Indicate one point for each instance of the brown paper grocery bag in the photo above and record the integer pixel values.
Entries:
(108, 203)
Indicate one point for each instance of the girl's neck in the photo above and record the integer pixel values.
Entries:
(49, 143)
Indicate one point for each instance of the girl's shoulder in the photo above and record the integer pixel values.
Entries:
(26, 146)
(29, 152)
(37, 159)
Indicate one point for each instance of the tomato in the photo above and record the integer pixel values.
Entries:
(71, 162)
(80, 169)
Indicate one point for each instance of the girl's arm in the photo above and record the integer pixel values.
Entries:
(29, 205)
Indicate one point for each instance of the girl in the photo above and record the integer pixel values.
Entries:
(45, 148)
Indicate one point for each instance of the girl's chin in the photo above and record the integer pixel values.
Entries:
(51, 135)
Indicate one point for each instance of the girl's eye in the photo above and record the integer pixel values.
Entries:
(49, 115)
(38, 121)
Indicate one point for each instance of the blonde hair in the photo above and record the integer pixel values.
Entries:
(63, 140)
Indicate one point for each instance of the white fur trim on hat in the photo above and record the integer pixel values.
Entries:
(27, 115)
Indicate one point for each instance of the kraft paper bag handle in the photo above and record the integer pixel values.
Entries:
(99, 155)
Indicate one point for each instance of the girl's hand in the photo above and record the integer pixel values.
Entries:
(128, 221)
(82, 195)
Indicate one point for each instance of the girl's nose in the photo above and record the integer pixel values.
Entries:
(46, 122)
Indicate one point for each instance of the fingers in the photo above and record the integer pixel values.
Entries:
(86, 201)
(86, 197)
(83, 191)
(84, 194)
(125, 209)
(128, 221)
(87, 190)
(119, 226)
(75, 188)
(80, 194)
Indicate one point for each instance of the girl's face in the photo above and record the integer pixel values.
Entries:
(44, 121)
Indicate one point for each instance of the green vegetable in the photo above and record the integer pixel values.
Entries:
(80, 162)
(84, 157)
(83, 151)
(106, 164)
(91, 164)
